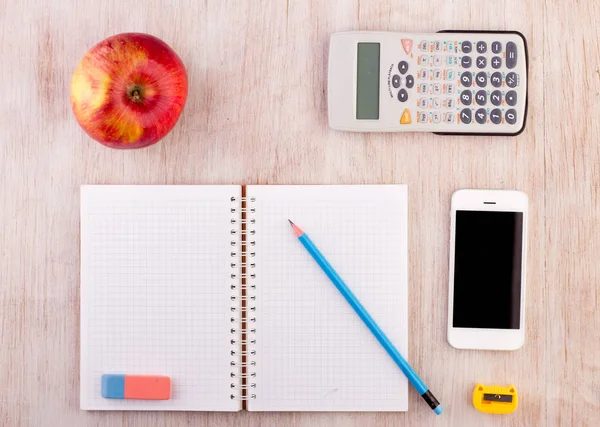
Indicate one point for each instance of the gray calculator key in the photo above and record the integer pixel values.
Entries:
(481, 79)
(496, 47)
(511, 55)
(511, 98)
(481, 97)
(410, 81)
(465, 116)
(496, 98)
(481, 116)
(496, 116)
(396, 81)
(403, 67)
(496, 62)
(511, 116)
(402, 95)
(466, 62)
(496, 79)
(481, 47)
(466, 79)
(481, 62)
(466, 97)
(466, 46)
(511, 79)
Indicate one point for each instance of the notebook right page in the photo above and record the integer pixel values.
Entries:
(313, 353)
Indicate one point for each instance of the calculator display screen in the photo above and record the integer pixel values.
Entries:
(487, 269)
(367, 81)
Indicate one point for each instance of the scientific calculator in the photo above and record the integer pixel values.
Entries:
(467, 82)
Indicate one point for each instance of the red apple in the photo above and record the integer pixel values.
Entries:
(128, 90)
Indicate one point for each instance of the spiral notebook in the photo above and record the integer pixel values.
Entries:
(212, 289)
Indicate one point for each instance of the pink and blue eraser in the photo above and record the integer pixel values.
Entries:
(142, 387)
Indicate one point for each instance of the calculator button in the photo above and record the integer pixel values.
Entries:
(466, 97)
(422, 117)
(436, 117)
(481, 116)
(481, 79)
(449, 118)
(466, 47)
(437, 103)
(496, 62)
(481, 62)
(403, 67)
(511, 98)
(496, 98)
(396, 81)
(423, 102)
(496, 116)
(465, 116)
(449, 102)
(437, 60)
(437, 74)
(466, 79)
(407, 45)
(424, 60)
(450, 89)
(437, 88)
(405, 118)
(450, 60)
(424, 74)
(481, 47)
(422, 87)
(481, 97)
(424, 45)
(466, 62)
(511, 117)
(450, 75)
(450, 47)
(496, 79)
(410, 81)
(402, 95)
(496, 47)
(437, 46)
(511, 55)
(511, 79)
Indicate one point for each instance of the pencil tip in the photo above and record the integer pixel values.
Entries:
(291, 223)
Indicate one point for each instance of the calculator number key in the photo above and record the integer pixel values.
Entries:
(466, 79)
(481, 116)
(496, 98)
(481, 97)
(496, 79)
(511, 117)
(481, 79)
(466, 97)
(496, 116)
(465, 116)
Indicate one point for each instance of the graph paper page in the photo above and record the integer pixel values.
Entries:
(155, 293)
(313, 353)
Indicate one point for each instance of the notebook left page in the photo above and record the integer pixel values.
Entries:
(158, 295)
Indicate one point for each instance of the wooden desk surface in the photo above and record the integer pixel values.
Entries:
(256, 113)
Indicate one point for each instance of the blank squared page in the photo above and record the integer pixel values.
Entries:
(155, 292)
(313, 353)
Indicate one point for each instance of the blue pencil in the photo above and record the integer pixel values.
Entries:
(368, 320)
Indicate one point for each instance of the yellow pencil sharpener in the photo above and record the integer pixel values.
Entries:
(495, 399)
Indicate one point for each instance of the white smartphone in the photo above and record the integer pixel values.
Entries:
(488, 252)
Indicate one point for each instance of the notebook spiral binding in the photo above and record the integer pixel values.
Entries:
(243, 297)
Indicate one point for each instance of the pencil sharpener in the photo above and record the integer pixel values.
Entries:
(495, 399)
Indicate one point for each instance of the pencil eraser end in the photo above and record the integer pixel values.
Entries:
(438, 409)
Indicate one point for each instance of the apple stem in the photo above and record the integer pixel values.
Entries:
(136, 94)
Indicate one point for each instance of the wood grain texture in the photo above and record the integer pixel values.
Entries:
(256, 113)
